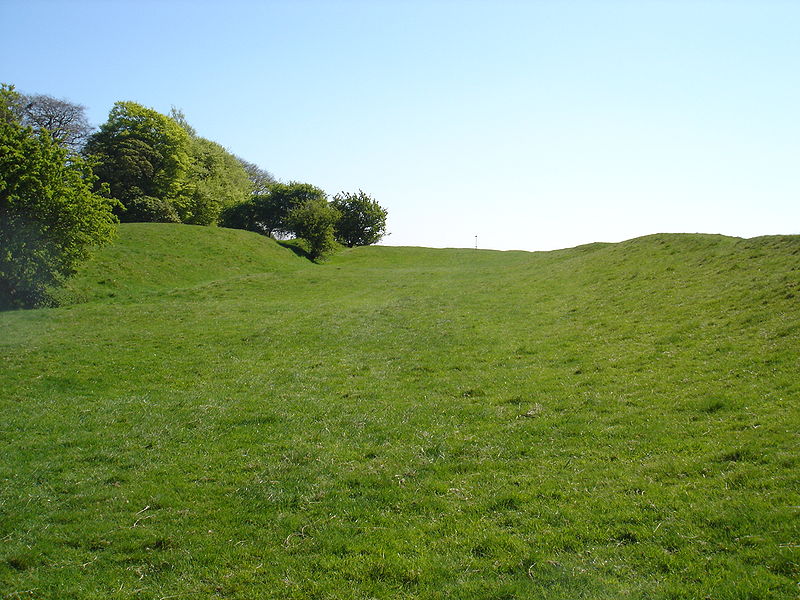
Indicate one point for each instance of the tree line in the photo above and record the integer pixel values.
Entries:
(64, 185)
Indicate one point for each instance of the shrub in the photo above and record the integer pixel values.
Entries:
(314, 221)
(362, 222)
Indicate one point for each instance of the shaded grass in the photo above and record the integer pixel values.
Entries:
(602, 422)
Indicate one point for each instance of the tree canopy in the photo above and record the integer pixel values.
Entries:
(314, 220)
(362, 222)
(268, 213)
(49, 216)
(260, 178)
(140, 152)
(302, 210)
(65, 121)
(162, 170)
(216, 178)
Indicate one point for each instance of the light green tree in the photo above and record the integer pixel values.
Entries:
(49, 217)
(140, 153)
(216, 179)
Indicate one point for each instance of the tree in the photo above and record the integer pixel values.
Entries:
(298, 209)
(139, 152)
(265, 214)
(363, 220)
(146, 209)
(216, 178)
(216, 181)
(240, 216)
(282, 199)
(314, 221)
(260, 178)
(49, 217)
(268, 213)
(65, 121)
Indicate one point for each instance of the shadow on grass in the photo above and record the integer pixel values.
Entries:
(296, 247)
(9, 303)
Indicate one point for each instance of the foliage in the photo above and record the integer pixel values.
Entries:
(314, 220)
(216, 178)
(159, 169)
(363, 220)
(146, 209)
(65, 121)
(298, 209)
(216, 181)
(260, 178)
(49, 217)
(268, 213)
(240, 216)
(140, 152)
(282, 200)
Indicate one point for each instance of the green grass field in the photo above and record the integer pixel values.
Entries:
(212, 416)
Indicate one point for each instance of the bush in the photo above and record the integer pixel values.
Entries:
(362, 222)
(314, 221)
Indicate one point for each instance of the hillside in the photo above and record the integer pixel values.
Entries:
(156, 257)
(607, 421)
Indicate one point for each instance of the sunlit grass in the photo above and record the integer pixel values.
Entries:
(603, 422)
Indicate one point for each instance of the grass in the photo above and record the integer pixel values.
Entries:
(220, 418)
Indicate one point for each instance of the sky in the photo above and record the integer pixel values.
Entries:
(514, 125)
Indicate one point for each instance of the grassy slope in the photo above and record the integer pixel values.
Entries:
(608, 421)
(152, 258)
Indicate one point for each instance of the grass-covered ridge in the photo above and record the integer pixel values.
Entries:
(157, 257)
(609, 421)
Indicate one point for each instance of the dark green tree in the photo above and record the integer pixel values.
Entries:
(268, 213)
(138, 153)
(314, 220)
(240, 216)
(49, 216)
(363, 220)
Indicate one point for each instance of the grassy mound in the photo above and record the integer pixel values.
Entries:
(612, 420)
(157, 257)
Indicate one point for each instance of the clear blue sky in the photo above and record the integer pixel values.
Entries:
(533, 125)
